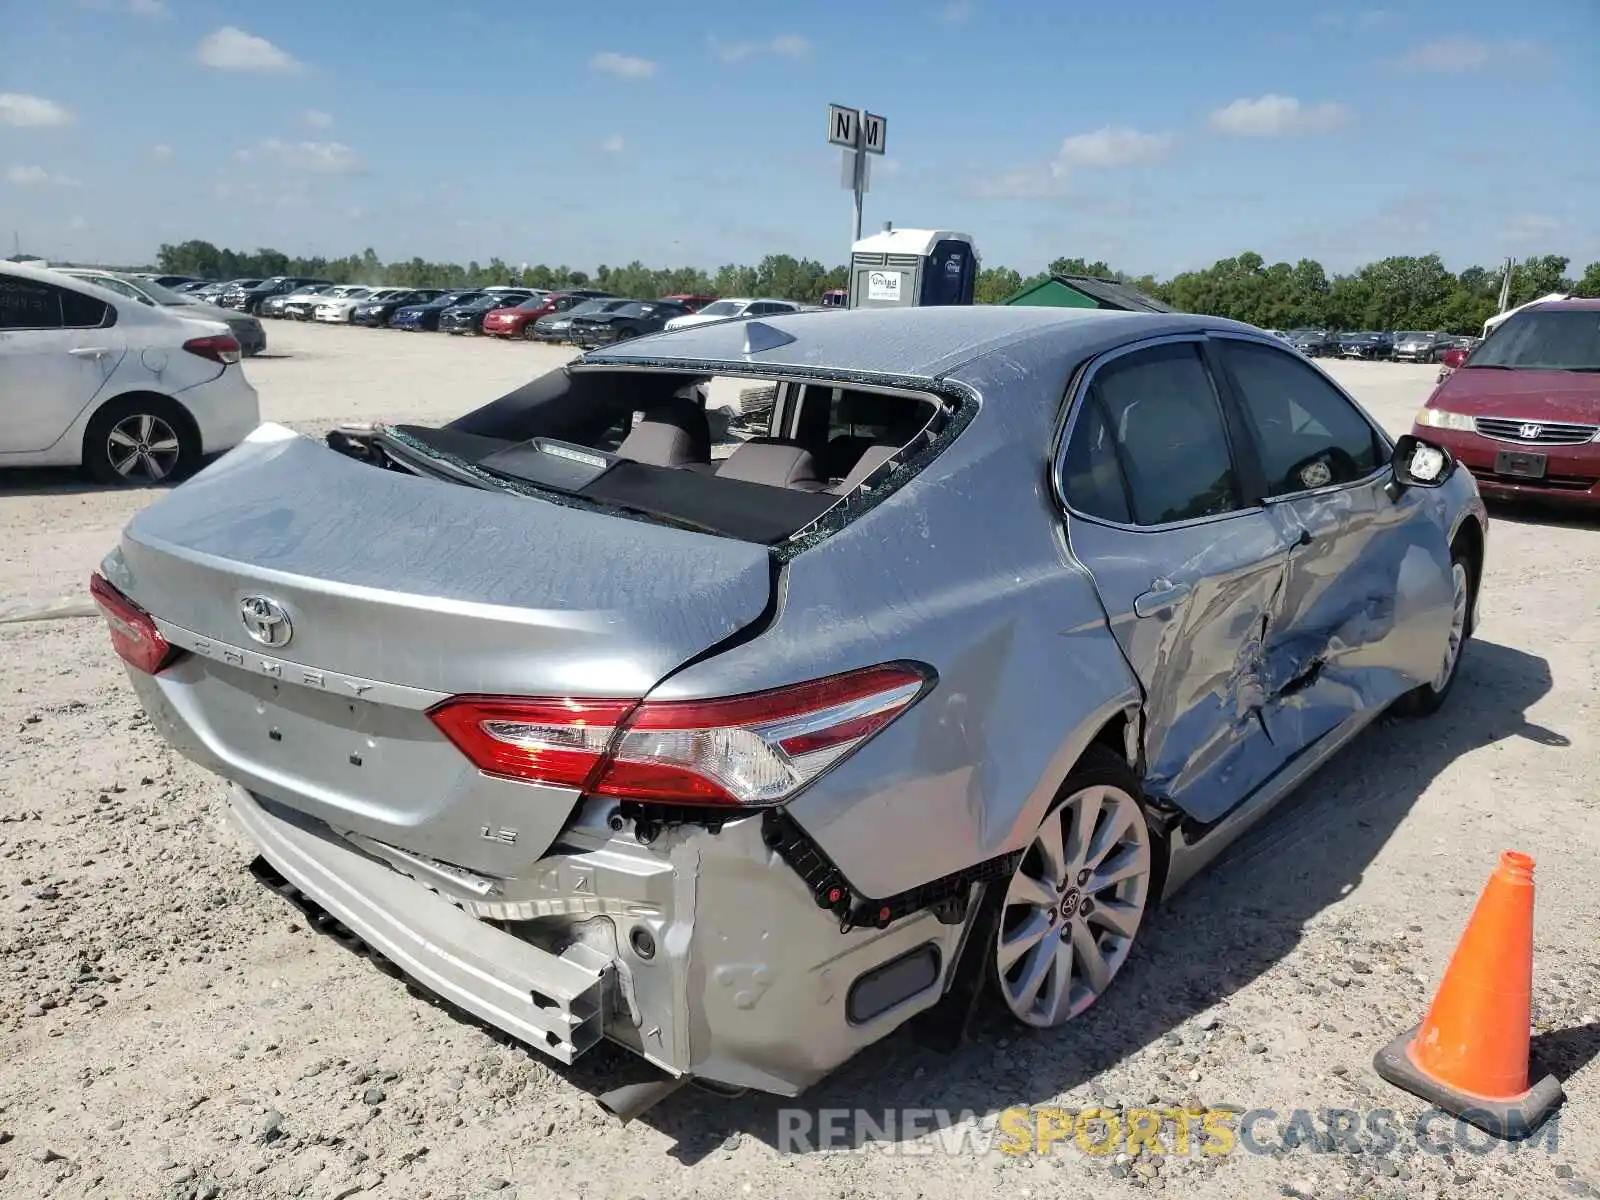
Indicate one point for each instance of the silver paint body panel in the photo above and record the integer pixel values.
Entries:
(1276, 634)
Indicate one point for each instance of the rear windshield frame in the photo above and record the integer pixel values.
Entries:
(956, 403)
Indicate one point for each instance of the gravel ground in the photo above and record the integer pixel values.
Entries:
(169, 1028)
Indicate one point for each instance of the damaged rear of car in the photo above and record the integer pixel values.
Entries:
(743, 761)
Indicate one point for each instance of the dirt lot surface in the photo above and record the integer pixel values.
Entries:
(169, 1028)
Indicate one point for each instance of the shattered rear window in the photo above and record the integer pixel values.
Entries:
(788, 461)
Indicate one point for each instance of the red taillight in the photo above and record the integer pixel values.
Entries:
(559, 742)
(134, 635)
(222, 348)
(747, 750)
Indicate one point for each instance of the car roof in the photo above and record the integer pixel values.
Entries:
(1570, 304)
(907, 342)
(127, 309)
(59, 278)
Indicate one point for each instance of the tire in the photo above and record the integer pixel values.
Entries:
(528, 333)
(1428, 699)
(1099, 857)
(141, 440)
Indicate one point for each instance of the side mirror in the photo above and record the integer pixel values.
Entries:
(1453, 358)
(1418, 463)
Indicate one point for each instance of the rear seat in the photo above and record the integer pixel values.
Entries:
(776, 462)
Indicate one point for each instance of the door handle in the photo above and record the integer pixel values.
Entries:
(89, 351)
(1163, 596)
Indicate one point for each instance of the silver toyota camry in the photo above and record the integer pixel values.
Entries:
(1009, 620)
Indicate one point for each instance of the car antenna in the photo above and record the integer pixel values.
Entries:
(759, 336)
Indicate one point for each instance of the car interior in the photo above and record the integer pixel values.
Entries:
(643, 440)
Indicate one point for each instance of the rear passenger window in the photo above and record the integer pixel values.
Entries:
(1164, 416)
(85, 312)
(25, 304)
(1308, 435)
(1091, 476)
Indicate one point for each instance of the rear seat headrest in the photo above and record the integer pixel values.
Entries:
(774, 462)
(671, 435)
(868, 408)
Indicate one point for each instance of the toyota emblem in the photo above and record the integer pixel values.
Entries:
(265, 620)
(1530, 433)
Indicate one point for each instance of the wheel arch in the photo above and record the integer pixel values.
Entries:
(180, 411)
(1469, 541)
(1121, 738)
(1120, 735)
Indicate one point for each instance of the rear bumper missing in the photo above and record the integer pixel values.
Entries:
(703, 953)
(548, 1001)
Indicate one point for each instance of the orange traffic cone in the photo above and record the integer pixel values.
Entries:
(1470, 1054)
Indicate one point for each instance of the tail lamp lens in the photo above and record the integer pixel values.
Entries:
(134, 635)
(755, 749)
(221, 348)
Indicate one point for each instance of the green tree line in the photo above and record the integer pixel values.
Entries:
(1402, 292)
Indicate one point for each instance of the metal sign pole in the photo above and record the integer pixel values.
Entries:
(859, 191)
(860, 133)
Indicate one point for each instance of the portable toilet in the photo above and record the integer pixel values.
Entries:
(907, 268)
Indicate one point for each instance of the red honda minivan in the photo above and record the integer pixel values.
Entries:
(1522, 410)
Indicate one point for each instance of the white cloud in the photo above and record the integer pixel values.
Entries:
(232, 49)
(1277, 116)
(161, 152)
(31, 176)
(316, 119)
(1534, 227)
(1112, 147)
(1019, 183)
(957, 12)
(624, 66)
(615, 144)
(31, 112)
(153, 10)
(784, 45)
(1458, 55)
(326, 158)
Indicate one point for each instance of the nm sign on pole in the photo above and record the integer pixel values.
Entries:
(861, 134)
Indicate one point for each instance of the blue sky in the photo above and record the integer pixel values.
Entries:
(1158, 136)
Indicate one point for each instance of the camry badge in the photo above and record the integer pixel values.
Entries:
(265, 620)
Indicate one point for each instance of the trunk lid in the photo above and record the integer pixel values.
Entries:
(399, 591)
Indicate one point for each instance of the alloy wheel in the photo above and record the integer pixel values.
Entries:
(143, 446)
(1074, 906)
(1458, 626)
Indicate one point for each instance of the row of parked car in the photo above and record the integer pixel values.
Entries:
(1421, 346)
(582, 316)
(587, 316)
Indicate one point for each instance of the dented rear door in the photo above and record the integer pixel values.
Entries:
(1193, 609)
(1190, 573)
